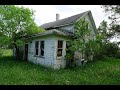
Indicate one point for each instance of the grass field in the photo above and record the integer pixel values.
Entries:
(101, 72)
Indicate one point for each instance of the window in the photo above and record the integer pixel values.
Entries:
(39, 48)
(36, 47)
(59, 48)
(42, 48)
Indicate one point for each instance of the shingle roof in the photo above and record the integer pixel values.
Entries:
(64, 21)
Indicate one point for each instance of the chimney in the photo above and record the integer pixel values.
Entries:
(57, 16)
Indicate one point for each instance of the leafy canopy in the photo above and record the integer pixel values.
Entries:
(84, 41)
(114, 16)
(16, 22)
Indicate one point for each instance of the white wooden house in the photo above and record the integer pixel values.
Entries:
(49, 48)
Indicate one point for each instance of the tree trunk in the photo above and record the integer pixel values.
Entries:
(17, 55)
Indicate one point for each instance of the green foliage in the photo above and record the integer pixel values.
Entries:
(114, 10)
(103, 30)
(114, 16)
(112, 50)
(16, 22)
(82, 37)
(69, 57)
(1, 52)
(5, 52)
(84, 41)
(103, 72)
(108, 49)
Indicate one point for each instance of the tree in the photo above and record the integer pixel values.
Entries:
(114, 16)
(84, 41)
(114, 10)
(16, 22)
(108, 49)
(103, 30)
(82, 37)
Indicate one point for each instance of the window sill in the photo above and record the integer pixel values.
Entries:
(39, 56)
(59, 58)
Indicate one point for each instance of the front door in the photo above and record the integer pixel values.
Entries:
(26, 52)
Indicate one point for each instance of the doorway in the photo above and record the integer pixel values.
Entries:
(26, 52)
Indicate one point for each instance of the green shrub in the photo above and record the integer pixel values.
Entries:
(112, 50)
(1, 52)
(108, 50)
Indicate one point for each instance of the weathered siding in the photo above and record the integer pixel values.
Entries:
(50, 53)
(90, 25)
(48, 59)
(69, 28)
(60, 62)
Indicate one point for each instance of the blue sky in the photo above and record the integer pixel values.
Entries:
(47, 13)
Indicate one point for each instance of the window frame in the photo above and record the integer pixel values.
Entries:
(39, 48)
(59, 49)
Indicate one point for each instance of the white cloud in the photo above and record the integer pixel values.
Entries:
(43, 14)
(96, 10)
(46, 13)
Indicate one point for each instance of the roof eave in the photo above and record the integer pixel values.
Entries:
(82, 16)
(47, 33)
(61, 25)
(93, 22)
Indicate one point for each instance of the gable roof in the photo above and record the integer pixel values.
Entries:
(68, 20)
(51, 27)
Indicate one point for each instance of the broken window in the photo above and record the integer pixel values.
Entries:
(36, 47)
(42, 48)
(39, 48)
(59, 48)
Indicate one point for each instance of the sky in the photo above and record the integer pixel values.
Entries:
(47, 13)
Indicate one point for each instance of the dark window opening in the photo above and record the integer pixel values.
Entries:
(60, 43)
(42, 48)
(36, 53)
(42, 52)
(36, 47)
(59, 48)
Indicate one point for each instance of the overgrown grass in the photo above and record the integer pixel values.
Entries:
(14, 72)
